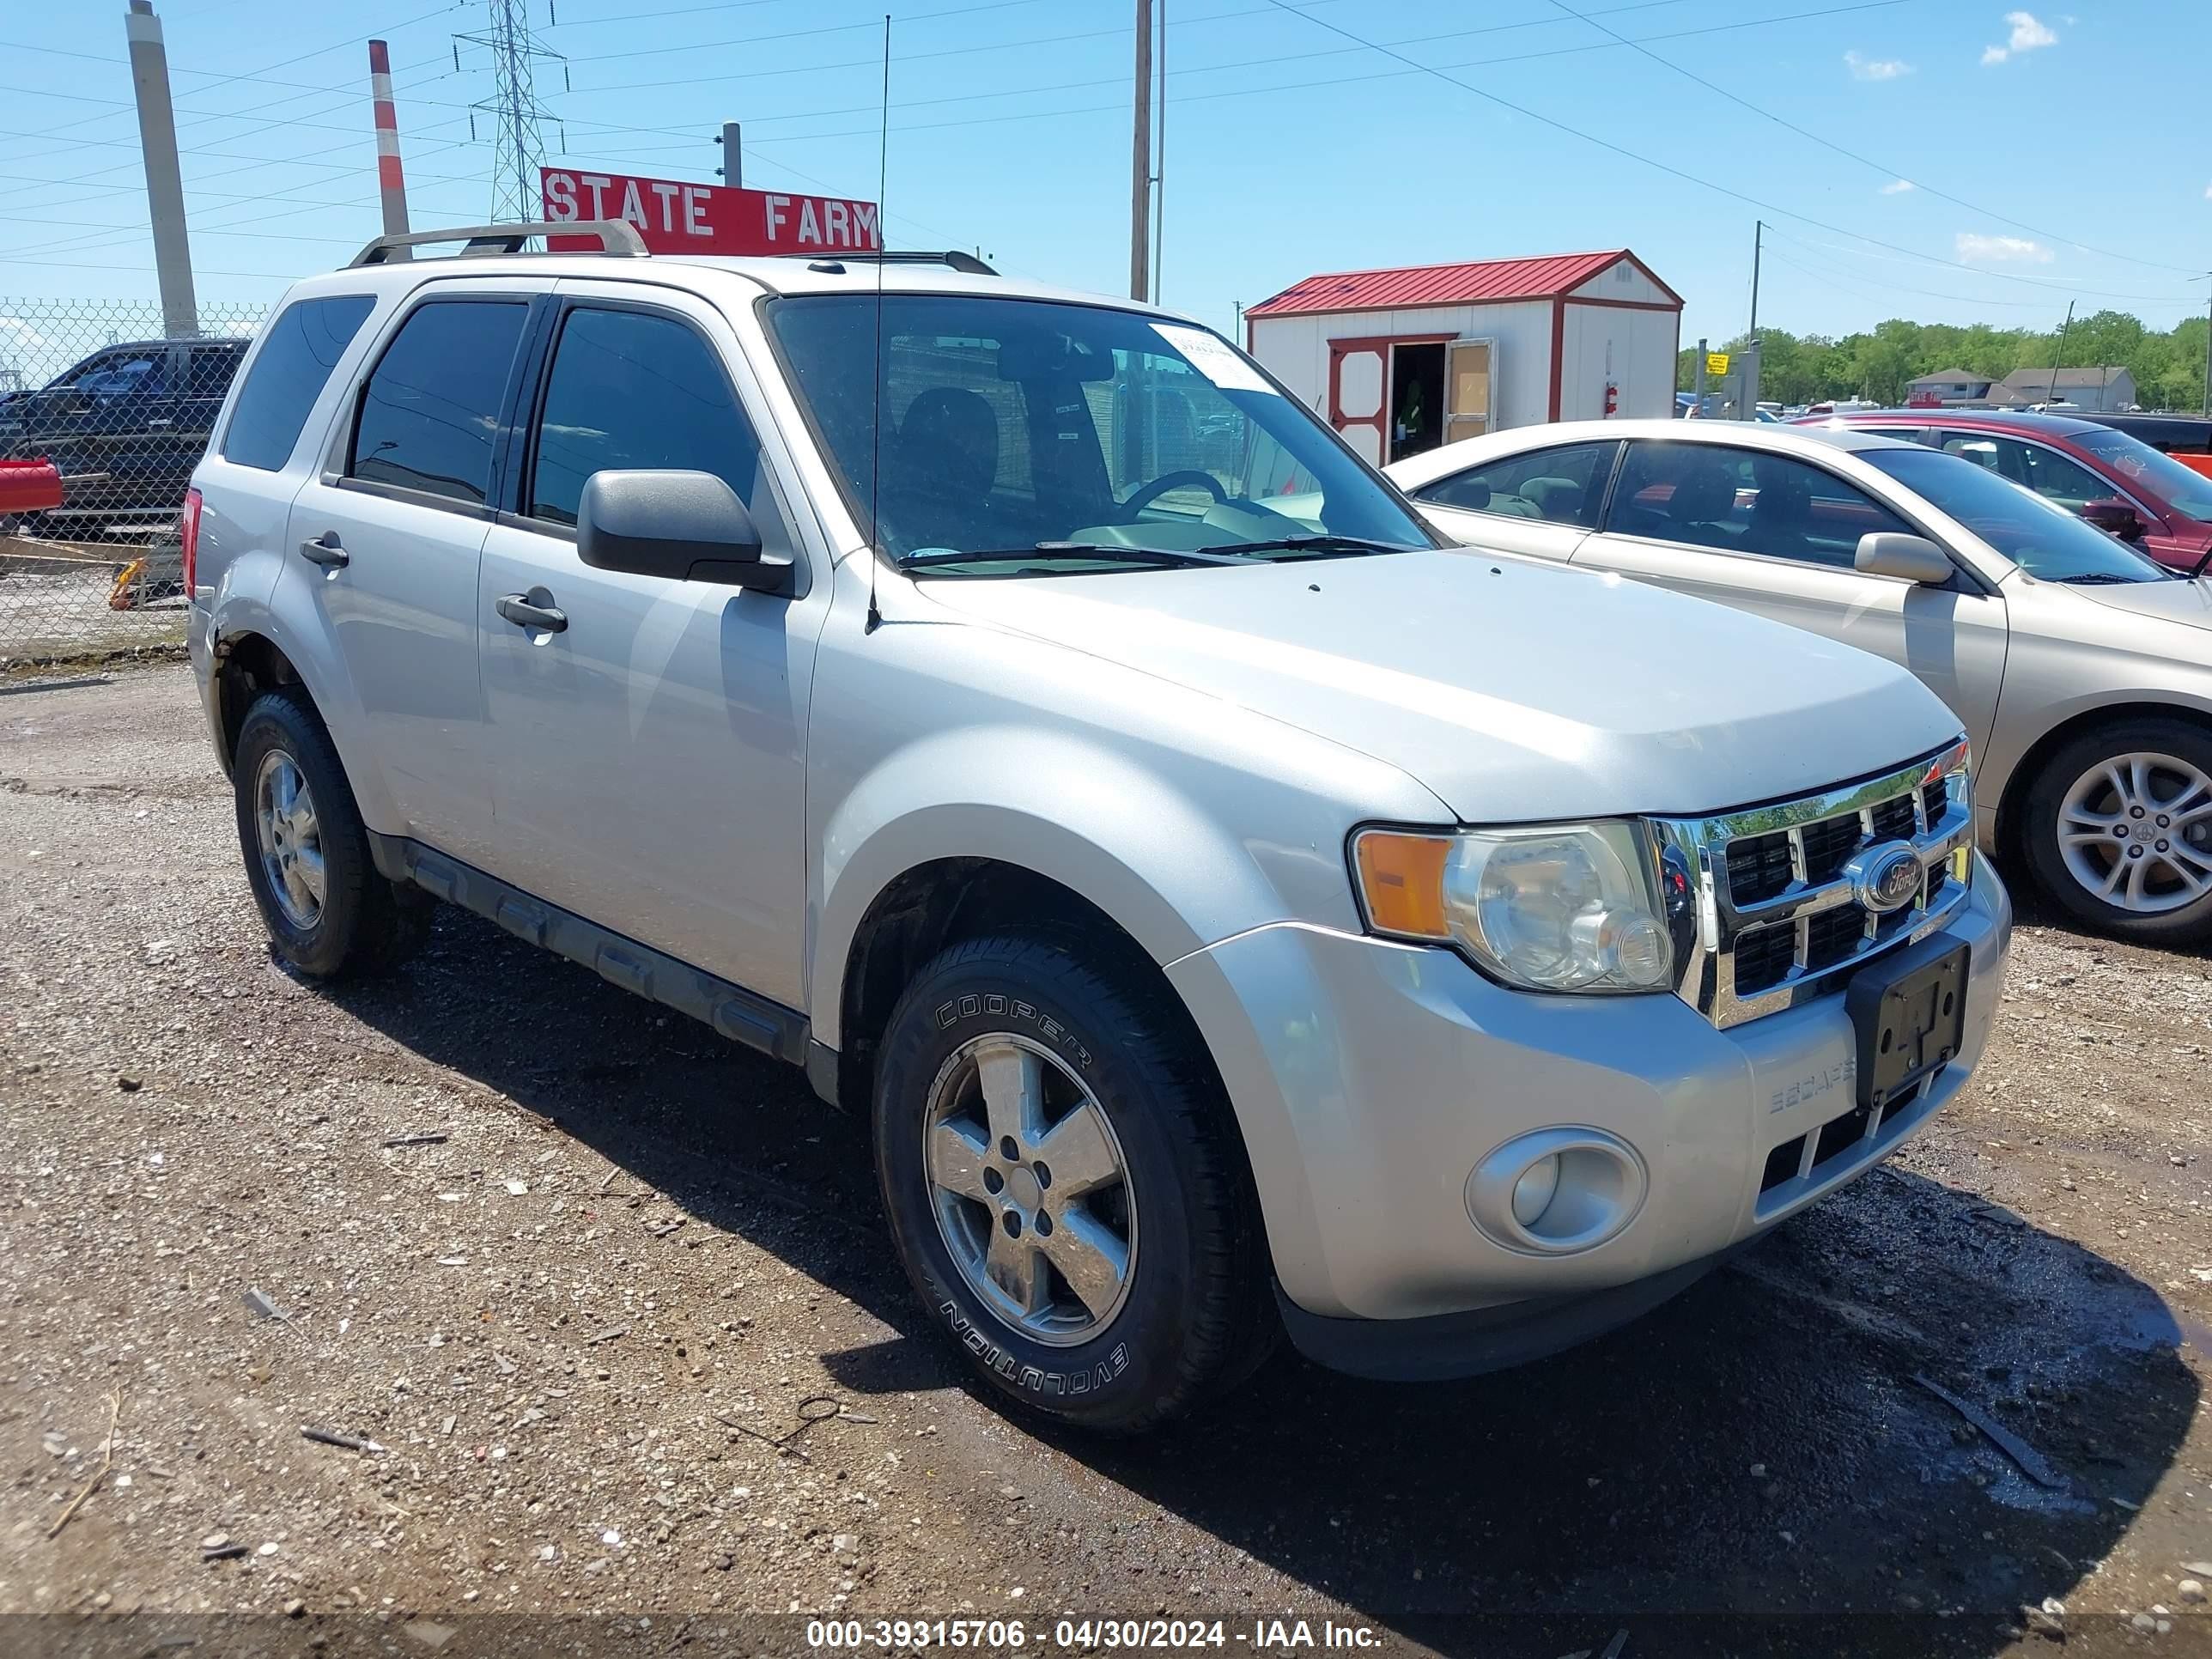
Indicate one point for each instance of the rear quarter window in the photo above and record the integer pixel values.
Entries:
(295, 363)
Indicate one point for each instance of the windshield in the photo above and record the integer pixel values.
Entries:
(1008, 423)
(2187, 493)
(2040, 536)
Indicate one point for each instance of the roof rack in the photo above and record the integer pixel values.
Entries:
(614, 237)
(953, 256)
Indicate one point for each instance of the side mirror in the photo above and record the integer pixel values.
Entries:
(2115, 516)
(687, 526)
(1909, 558)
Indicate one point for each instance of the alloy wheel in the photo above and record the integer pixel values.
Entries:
(2136, 832)
(291, 841)
(1029, 1187)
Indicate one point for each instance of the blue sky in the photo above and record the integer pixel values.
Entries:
(1991, 144)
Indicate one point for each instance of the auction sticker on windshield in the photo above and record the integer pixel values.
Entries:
(1212, 358)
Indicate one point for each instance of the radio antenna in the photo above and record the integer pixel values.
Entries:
(875, 458)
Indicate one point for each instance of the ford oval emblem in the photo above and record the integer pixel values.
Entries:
(1886, 878)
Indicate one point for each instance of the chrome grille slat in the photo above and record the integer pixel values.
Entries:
(1927, 806)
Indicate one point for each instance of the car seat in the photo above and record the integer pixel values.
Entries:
(938, 470)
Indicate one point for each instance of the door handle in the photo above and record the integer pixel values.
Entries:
(519, 609)
(323, 550)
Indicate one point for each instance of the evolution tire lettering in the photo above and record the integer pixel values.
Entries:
(1065, 1385)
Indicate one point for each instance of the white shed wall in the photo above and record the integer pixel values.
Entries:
(1634, 348)
(1296, 348)
(1623, 281)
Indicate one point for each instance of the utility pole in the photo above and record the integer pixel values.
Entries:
(732, 170)
(2207, 347)
(518, 151)
(1699, 406)
(165, 184)
(390, 182)
(1160, 154)
(1748, 406)
(2059, 362)
(1141, 162)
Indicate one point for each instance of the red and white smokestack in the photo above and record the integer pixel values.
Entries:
(391, 186)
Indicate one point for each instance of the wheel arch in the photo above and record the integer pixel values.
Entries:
(2021, 778)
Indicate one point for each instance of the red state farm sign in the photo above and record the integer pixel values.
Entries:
(676, 217)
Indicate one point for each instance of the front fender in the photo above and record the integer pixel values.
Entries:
(1076, 812)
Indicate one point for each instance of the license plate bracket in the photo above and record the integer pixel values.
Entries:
(1909, 1013)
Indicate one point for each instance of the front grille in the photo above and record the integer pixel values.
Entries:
(1769, 902)
(1760, 868)
(1829, 845)
(1894, 820)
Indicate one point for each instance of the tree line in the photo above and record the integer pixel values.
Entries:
(1806, 368)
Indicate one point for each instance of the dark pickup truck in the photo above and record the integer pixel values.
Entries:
(125, 427)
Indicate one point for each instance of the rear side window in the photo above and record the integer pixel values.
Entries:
(430, 412)
(629, 389)
(304, 344)
(1565, 485)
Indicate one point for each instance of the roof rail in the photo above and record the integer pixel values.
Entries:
(953, 256)
(614, 237)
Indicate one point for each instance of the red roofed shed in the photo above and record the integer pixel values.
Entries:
(1401, 360)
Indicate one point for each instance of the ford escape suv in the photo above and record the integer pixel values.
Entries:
(1235, 920)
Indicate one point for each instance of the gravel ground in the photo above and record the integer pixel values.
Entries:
(583, 1317)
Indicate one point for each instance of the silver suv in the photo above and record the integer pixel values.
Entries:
(1237, 914)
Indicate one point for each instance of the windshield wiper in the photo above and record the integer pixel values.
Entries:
(1313, 543)
(2197, 570)
(1038, 552)
(2099, 578)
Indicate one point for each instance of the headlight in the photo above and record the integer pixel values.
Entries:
(1558, 908)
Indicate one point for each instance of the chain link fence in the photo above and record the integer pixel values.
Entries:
(90, 564)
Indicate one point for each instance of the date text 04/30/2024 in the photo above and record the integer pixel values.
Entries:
(1085, 1635)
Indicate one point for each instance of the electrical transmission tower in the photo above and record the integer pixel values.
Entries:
(518, 151)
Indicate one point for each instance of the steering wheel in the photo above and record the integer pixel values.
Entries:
(1146, 493)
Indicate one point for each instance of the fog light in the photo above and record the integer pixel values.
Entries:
(1558, 1191)
(1532, 1194)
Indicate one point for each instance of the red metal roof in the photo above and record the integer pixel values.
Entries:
(1476, 280)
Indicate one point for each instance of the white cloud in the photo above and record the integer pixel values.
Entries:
(2001, 250)
(2028, 35)
(1863, 67)
(1898, 187)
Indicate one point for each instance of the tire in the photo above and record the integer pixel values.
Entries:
(2154, 884)
(358, 923)
(1191, 1312)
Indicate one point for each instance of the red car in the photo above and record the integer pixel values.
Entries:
(2117, 482)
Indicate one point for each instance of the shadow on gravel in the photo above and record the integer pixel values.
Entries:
(1761, 1445)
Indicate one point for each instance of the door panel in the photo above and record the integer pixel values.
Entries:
(1953, 639)
(648, 759)
(1469, 376)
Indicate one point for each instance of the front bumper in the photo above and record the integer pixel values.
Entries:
(1370, 1078)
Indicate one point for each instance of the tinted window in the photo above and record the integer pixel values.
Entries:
(1742, 500)
(431, 410)
(2032, 466)
(2034, 533)
(211, 368)
(632, 389)
(1561, 486)
(296, 361)
(2186, 491)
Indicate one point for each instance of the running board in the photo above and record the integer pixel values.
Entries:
(740, 1015)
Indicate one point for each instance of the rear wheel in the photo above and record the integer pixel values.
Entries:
(2118, 830)
(1064, 1186)
(329, 913)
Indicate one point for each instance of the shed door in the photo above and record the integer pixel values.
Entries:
(1468, 377)
(1355, 395)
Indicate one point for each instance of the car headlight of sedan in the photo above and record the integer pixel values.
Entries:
(1565, 907)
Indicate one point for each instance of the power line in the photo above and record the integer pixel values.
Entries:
(1557, 125)
(1828, 143)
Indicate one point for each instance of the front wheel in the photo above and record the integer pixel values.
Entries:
(1064, 1185)
(2119, 831)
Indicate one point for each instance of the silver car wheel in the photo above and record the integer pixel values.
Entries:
(1031, 1193)
(291, 840)
(2136, 832)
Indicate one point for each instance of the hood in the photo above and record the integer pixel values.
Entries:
(2188, 602)
(1512, 689)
